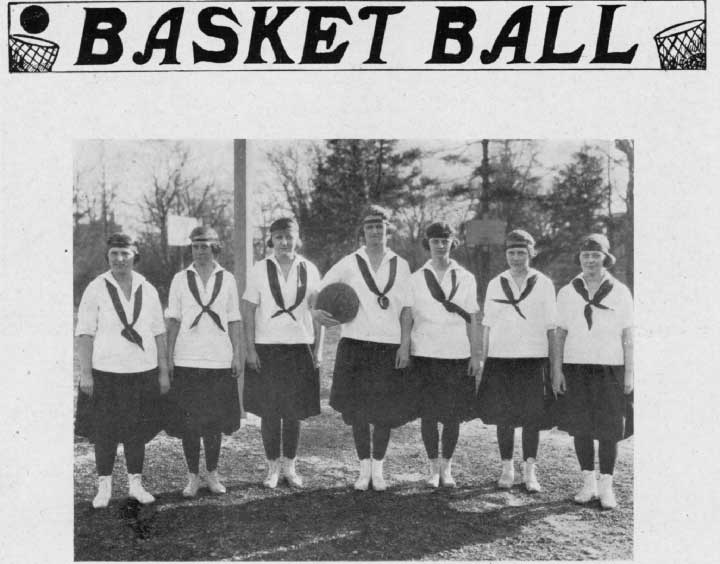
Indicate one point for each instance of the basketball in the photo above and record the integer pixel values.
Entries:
(340, 301)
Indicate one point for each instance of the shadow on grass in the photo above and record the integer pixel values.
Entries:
(324, 524)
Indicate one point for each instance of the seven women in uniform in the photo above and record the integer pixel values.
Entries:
(431, 315)
(123, 367)
(206, 356)
(282, 385)
(445, 348)
(370, 385)
(595, 364)
(518, 339)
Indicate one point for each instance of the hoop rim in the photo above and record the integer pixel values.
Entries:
(678, 28)
(36, 41)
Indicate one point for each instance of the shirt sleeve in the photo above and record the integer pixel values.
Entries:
(626, 309)
(233, 302)
(88, 310)
(406, 299)
(551, 317)
(563, 309)
(313, 279)
(490, 310)
(157, 322)
(174, 309)
(337, 273)
(252, 291)
(470, 303)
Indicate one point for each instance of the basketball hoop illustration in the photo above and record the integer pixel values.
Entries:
(32, 54)
(682, 46)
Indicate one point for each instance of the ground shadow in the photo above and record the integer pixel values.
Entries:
(404, 523)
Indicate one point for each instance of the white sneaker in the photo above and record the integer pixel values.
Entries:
(136, 490)
(363, 481)
(290, 474)
(378, 481)
(529, 478)
(213, 482)
(507, 478)
(589, 490)
(446, 473)
(273, 474)
(605, 490)
(102, 499)
(433, 479)
(193, 485)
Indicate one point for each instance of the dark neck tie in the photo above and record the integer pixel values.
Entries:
(604, 289)
(128, 330)
(192, 284)
(382, 299)
(436, 292)
(507, 290)
(277, 293)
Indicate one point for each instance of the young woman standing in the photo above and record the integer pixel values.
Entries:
(595, 364)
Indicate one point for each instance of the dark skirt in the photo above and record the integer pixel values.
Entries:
(123, 407)
(367, 388)
(594, 403)
(287, 386)
(447, 391)
(202, 401)
(515, 392)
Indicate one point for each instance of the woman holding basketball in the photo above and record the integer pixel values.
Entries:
(370, 385)
(445, 346)
(283, 342)
(207, 359)
(518, 339)
(595, 364)
(123, 367)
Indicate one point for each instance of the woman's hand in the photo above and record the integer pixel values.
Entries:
(237, 368)
(558, 382)
(475, 368)
(86, 384)
(629, 382)
(324, 318)
(402, 357)
(253, 360)
(164, 381)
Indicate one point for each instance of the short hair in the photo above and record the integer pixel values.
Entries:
(439, 230)
(121, 240)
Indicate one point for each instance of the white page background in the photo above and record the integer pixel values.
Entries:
(673, 118)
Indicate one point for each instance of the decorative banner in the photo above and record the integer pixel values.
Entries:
(356, 35)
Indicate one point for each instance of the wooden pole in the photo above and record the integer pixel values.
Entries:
(242, 233)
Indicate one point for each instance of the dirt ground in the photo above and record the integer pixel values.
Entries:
(328, 520)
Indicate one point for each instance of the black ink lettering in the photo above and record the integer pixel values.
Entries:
(169, 44)
(602, 55)
(227, 34)
(551, 32)
(382, 13)
(315, 34)
(443, 32)
(94, 18)
(521, 19)
(263, 30)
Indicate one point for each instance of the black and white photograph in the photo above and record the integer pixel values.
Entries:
(359, 281)
(386, 313)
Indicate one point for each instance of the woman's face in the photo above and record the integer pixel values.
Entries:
(518, 259)
(592, 262)
(202, 253)
(284, 242)
(440, 247)
(375, 233)
(121, 260)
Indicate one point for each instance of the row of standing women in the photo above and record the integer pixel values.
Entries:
(415, 348)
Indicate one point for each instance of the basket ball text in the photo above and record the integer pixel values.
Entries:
(101, 42)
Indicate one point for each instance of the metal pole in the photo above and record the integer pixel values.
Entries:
(484, 212)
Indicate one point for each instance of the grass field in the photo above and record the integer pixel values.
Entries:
(329, 521)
